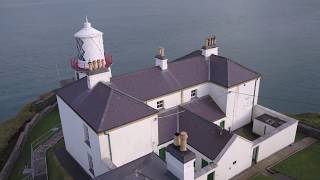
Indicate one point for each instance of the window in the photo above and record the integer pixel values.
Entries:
(194, 93)
(222, 124)
(86, 135)
(160, 104)
(90, 163)
(162, 153)
(204, 163)
(234, 162)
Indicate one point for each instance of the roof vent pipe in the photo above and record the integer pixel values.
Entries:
(183, 141)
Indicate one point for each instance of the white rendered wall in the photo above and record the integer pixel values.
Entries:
(73, 132)
(258, 128)
(202, 90)
(240, 103)
(227, 124)
(170, 100)
(240, 150)
(134, 140)
(181, 171)
(276, 142)
(219, 94)
(100, 77)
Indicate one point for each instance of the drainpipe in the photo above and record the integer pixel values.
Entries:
(254, 96)
(109, 144)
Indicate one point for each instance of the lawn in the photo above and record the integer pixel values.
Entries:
(312, 119)
(299, 136)
(246, 132)
(303, 165)
(44, 125)
(55, 170)
(262, 177)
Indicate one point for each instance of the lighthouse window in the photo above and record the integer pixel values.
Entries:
(160, 104)
(194, 93)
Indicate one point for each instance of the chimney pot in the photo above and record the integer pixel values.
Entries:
(183, 141)
(176, 140)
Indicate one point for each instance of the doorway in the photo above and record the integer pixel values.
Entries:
(255, 154)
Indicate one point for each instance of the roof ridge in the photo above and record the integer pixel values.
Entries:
(106, 107)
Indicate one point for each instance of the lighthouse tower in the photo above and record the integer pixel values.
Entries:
(91, 59)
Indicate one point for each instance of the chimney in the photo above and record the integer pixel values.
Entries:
(180, 159)
(160, 59)
(210, 47)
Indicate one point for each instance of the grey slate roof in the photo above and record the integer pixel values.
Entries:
(206, 108)
(101, 107)
(153, 82)
(203, 134)
(183, 72)
(228, 73)
(182, 156)
(149, 166)
(167, 125)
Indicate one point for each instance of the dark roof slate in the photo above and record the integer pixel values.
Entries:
(228, 73)
(101, 107)
(206, 108)
(154, 82)
(167, 125)
(148, 166)
(203, 135)
(189, 70)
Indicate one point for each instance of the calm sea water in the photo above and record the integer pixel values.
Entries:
(280, 39)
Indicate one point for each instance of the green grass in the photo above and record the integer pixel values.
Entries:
(312, 119)
(40, 128)
(262, 177)
(303, 165)
(299, 136)
(55, 170)
(246, 132)
(9, 131)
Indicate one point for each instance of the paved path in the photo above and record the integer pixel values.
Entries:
(275, 158)
(39, 164)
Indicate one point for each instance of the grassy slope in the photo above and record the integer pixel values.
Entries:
(312, 119)
(41, 127)
(8, 129)
(303, 165)
(55, 170)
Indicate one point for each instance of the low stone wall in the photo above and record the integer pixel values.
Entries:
(7, 169)
(308, 130)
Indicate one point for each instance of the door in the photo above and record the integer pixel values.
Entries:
(255, 154)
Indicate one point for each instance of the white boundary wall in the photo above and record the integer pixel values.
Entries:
(278, 139)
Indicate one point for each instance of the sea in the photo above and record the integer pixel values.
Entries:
(278, 38)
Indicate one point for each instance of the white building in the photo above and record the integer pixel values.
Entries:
(115, 127)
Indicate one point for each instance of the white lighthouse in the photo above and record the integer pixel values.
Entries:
(91, 59)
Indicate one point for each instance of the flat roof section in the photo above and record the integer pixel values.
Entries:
(270, 120)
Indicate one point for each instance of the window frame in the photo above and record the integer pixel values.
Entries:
(160, 104)
(194, 93)
(86, 135)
